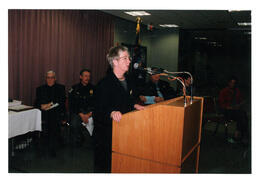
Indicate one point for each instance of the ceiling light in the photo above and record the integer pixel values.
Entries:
(212, 43)
(201, 38)
(247, 33)
(137, 13)
(233, 10)
(244, 23)
(168, 25)
(237, 10)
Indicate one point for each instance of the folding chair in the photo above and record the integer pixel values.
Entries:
(211, 114)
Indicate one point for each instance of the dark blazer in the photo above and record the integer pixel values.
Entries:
(150, 89)
(55, 94)
(81, 98)
(110, 96)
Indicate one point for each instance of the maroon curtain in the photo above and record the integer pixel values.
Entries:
(61, 40)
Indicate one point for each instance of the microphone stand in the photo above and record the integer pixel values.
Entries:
(184, 72)
(184, 86)
(169, 74)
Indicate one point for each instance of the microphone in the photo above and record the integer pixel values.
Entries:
(191, 83)
(180, 72)
(136, 66)
(149, 70)
(155, 70)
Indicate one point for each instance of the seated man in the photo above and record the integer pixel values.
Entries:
(230, 101)
(50, 99)
(156, 90)
(81, 106)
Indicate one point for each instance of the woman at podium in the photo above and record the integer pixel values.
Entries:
(113, 97)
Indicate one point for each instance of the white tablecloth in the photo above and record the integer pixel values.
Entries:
(24, 122)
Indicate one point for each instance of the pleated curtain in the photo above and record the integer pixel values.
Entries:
(64, 41)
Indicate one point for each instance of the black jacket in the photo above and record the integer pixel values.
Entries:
(110, 96)
(81, 98)
(150, 89)
(55, 94)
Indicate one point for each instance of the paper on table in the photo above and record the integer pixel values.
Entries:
(19, 107)
(89, 126)
(53, 106)
(14, 103)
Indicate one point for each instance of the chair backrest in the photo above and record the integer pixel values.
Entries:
(209, 105)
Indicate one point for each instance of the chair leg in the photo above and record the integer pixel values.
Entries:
(216, 129)
(226, 129)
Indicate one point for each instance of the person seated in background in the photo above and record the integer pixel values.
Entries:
(230, 102)
(156, 90)
(81, 106)
(187, 82)
(50, 99)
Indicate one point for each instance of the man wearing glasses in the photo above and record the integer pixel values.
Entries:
(50, 99)
(113, 97)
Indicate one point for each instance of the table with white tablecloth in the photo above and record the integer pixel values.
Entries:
(24, 121)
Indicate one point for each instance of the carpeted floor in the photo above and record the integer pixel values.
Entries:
(216, 156)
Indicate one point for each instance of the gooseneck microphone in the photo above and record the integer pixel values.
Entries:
(149, 70)
(191, 77)
(155, 70)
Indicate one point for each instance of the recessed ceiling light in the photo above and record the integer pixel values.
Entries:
(201, 38)
(234, 10)
(137, 13)
(237, 10)
(168, 25)
(247, 33)
(244, 23)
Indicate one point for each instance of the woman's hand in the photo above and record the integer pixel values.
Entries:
(139, 107)
(116, 115)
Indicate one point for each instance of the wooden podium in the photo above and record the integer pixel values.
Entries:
(163, 138)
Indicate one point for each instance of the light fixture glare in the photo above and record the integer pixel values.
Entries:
(168, 25)
(137, 13)
(244, 23)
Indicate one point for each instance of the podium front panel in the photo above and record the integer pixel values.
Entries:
(164, 135)
(192, 127)
(153, 134)
(128, 164)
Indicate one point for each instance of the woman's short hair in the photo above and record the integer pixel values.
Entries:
(114, 53)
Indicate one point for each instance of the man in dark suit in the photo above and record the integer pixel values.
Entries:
(113, 97)
(81, 105)
(156, 90)
(50, 99)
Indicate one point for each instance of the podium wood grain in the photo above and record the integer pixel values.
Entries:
(157, 139)
(136, 165)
